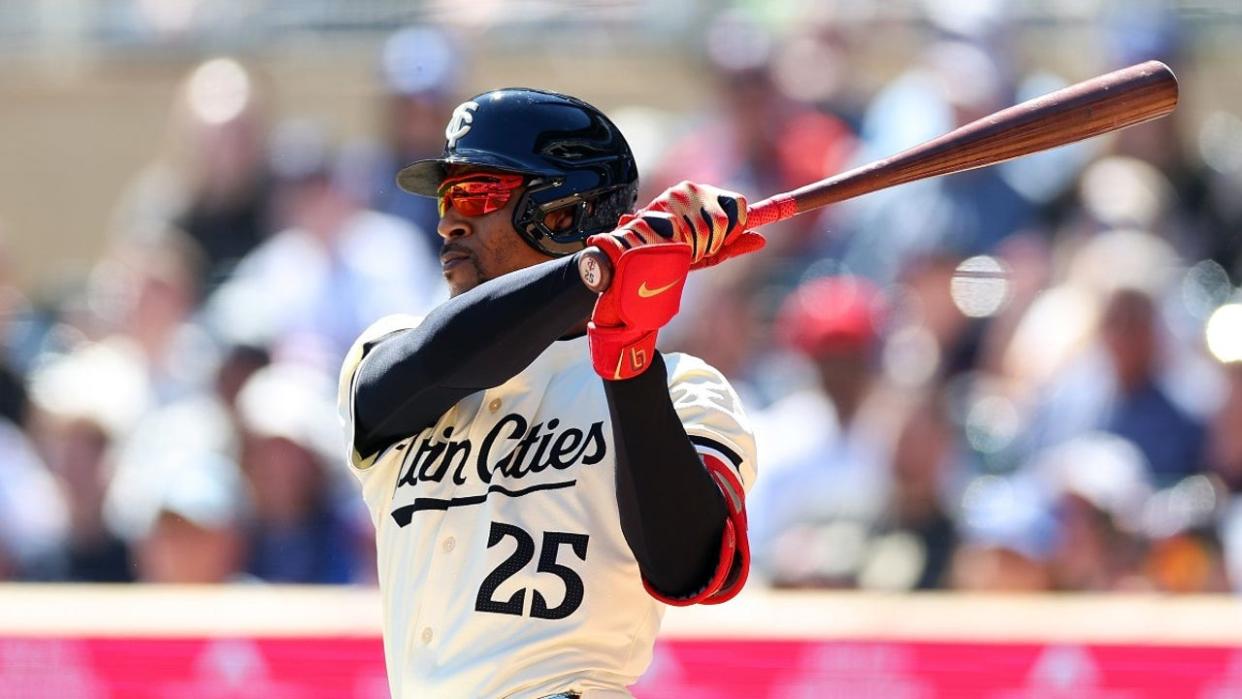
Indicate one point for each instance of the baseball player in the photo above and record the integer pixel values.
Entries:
(542, 481)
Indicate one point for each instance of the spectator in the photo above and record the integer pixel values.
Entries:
(823, 448)
(1100, 484)
(1186, 553)
(1007, 537)
(1116, 376)
(211, 180)
(924, 465)
(336, 266)
(1171, 439)
(192, 530)
(299, 529)
(420, 69)
(145, 297)
(33, 514)
(83, 403)
(759, 140)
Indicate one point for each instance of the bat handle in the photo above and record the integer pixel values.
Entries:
(596, 270)
(771, 210)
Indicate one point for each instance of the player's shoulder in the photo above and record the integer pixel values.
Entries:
(384, 326)
(684, 366)
(693, 380)
(387, 325)
(711, 412)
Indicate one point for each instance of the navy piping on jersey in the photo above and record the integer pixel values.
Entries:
(403, 515)
(733, 457)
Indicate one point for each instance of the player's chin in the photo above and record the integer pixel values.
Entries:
(462, 276)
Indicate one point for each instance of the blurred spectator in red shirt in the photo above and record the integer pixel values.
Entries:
(823, 448)
(758, 140)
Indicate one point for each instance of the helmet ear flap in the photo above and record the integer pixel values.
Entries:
(594, 212)
(529, 219)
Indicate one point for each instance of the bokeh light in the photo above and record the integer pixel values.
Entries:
(1224, 333)
(1220, 142)
(219, 90)
(980, 286)
(1205, 286)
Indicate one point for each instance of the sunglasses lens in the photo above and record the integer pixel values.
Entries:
(479, 195)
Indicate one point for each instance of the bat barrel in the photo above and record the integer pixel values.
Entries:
(1107, 103)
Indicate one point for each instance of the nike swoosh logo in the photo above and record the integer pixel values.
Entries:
(646, 293)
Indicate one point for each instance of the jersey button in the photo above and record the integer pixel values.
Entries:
(494, 405)
(449, 544)
(426, 635)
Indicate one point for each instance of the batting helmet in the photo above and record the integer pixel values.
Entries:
(572, 155)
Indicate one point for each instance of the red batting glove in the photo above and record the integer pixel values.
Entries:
(712, 221)
(645, 293)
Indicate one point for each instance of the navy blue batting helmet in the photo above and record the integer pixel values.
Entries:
(573, 156)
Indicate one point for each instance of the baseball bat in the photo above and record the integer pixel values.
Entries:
(1105, 103)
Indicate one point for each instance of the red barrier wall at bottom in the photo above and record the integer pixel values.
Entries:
(353, 668)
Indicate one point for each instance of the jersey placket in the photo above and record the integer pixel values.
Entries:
(445, 567)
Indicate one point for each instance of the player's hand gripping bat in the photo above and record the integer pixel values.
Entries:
(1106, 103)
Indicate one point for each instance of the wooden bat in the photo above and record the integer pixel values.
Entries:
(1106, 103)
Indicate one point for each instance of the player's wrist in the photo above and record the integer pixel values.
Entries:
(619, 353)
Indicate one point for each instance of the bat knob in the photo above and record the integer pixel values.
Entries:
(595, 270)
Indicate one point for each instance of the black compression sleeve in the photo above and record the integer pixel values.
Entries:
(672, 512)
(474, 341)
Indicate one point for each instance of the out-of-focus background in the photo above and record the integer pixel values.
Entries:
(1020, 379)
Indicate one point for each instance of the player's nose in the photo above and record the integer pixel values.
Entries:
(453, 225)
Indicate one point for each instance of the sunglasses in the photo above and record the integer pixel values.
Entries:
(476, 195)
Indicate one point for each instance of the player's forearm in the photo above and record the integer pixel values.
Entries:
(474, 341)
(672, 512)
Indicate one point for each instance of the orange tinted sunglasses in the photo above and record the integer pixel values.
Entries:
(476, 194)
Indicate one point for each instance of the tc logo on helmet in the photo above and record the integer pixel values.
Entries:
(459, 124)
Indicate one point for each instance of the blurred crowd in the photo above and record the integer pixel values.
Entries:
(1027, 377)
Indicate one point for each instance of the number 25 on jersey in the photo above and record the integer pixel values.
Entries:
(521, 556)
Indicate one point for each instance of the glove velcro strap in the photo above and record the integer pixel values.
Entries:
(620, 353)
(733, 565)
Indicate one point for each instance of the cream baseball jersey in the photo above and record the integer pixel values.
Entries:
(502, 565)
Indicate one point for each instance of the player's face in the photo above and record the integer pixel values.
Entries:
(480, 242)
